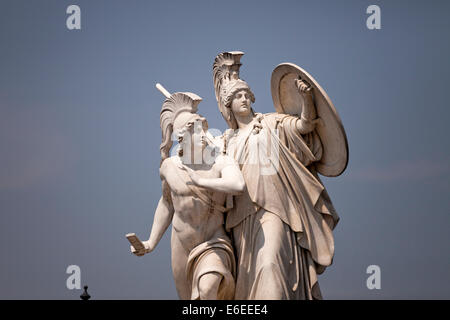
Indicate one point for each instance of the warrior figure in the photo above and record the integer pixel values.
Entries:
(194, 194)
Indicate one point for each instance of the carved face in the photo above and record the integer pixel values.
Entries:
(241, 103)
(193, 132)
(198, 130)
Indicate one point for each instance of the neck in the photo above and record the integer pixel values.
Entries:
(193, 159)
(243, 121)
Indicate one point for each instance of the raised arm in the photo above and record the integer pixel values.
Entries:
(231, 180)
(307, 121)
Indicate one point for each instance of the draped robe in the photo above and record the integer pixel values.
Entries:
(282, 224)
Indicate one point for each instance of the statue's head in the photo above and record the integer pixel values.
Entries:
(190, 130)
(241, 103)
(227, 84)
(236, 98)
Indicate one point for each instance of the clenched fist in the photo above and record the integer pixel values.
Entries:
(303, 87)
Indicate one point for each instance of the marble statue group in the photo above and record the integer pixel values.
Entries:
(250, 217)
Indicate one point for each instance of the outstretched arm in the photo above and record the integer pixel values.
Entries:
(231, 180)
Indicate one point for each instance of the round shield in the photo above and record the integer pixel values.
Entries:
(288, 100)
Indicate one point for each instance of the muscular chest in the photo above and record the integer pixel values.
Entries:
(181, 184)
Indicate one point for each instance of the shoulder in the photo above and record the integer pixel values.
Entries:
(284, 121)
(272, 118)
(271, 115)
(165, 167)
(275, 116)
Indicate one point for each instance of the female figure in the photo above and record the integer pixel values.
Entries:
(282, 223)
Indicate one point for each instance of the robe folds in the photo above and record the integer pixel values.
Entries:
(213, 256)
(282, 224)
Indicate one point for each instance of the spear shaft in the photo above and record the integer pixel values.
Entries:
(163, 90)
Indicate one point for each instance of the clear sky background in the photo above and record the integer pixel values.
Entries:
(79, 134)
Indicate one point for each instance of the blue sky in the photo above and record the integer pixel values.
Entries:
(79, 134)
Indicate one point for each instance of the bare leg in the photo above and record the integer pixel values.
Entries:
(179, 260)
(209, 286)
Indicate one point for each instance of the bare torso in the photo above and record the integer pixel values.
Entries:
(194, 220)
